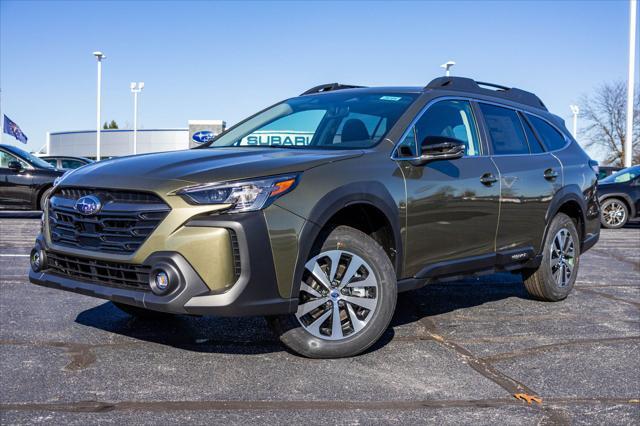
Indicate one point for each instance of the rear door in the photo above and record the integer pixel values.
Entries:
(529, 178)
(452, 205)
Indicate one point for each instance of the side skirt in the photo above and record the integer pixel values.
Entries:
(507, 260)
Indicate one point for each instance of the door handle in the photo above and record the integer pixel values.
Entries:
(488, 179)
(550, 174)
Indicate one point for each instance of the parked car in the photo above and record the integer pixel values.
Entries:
(24, 179)
(65, 162)
(318, 210)
(619, 196)
(605, 171)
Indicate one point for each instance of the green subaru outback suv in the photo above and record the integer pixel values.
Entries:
(317, 211)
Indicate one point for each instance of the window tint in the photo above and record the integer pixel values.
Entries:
(534, 143)
(452, 119)
(52, 161)
(550, 136)
(6, 158)
(71, 164)
(505, 130)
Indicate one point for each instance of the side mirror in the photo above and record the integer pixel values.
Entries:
(14, 166)
(440, 148)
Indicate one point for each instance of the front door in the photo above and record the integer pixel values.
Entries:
(14, 184)
(452, 205)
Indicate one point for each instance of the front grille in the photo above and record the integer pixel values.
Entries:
(124, 222)
(112, 274)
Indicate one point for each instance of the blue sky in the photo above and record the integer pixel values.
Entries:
(219, 60)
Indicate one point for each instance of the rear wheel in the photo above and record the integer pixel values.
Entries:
(556, 275)
(347, 298)
(613, 213)
(142, 313)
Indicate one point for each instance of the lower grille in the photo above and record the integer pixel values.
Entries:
(112, 274)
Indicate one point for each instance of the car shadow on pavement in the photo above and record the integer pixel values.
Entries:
(251, 335)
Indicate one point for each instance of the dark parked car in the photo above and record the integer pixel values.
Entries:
(619, 196)
(318, 210)
(66, 162)
(24, 179)
(607, 171)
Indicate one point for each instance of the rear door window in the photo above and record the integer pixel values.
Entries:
(550, 136)
(505, 130)
(71, 164)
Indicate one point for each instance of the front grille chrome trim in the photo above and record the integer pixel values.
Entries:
(122, 225)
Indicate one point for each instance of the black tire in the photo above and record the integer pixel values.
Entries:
(348, 241)
(141, 313)
(548, 282)
(614, 213)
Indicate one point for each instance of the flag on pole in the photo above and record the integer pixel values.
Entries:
(13, 129)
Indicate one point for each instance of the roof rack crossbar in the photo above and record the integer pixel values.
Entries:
(469, 85)
(330, 87)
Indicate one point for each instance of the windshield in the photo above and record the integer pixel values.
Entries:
(623, 176)
(32, 159)
(337, 120)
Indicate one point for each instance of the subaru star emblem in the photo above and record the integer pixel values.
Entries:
(203, 136)
(88, 205)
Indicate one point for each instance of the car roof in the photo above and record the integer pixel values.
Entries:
(460, 85)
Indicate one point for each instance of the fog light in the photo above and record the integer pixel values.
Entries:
(37, 259)
(162, 280)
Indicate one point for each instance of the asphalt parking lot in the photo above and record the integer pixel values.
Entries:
(457, 352)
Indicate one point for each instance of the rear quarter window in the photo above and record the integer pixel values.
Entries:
(552, 139)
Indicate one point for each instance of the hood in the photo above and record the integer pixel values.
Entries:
(167, 171)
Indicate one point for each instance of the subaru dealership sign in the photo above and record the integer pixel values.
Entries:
(276, 138)
(203, 131)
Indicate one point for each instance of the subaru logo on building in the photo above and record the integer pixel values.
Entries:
(203, 136)
(88, 205)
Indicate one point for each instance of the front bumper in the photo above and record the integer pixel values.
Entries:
(255, 292)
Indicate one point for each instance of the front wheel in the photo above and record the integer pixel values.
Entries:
(554, 278)
(347, 298)
(613, 214)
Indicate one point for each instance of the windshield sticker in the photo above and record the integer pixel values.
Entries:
(390, 98)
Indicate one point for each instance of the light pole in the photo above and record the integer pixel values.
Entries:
(99, 56)
(575, 110)
(628, 141)
(447, 66)
(135, 89)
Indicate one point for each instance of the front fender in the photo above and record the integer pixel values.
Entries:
(367, 192)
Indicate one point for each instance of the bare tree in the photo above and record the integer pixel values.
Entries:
(606, 112)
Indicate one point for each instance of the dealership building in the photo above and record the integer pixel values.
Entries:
(119, 142)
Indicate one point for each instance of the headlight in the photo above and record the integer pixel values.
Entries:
(243, 196)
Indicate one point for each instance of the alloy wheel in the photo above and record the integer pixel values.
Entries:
(614, 213)
(338, 295)
(562, 257)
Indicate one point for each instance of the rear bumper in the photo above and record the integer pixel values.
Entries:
(254, 293)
